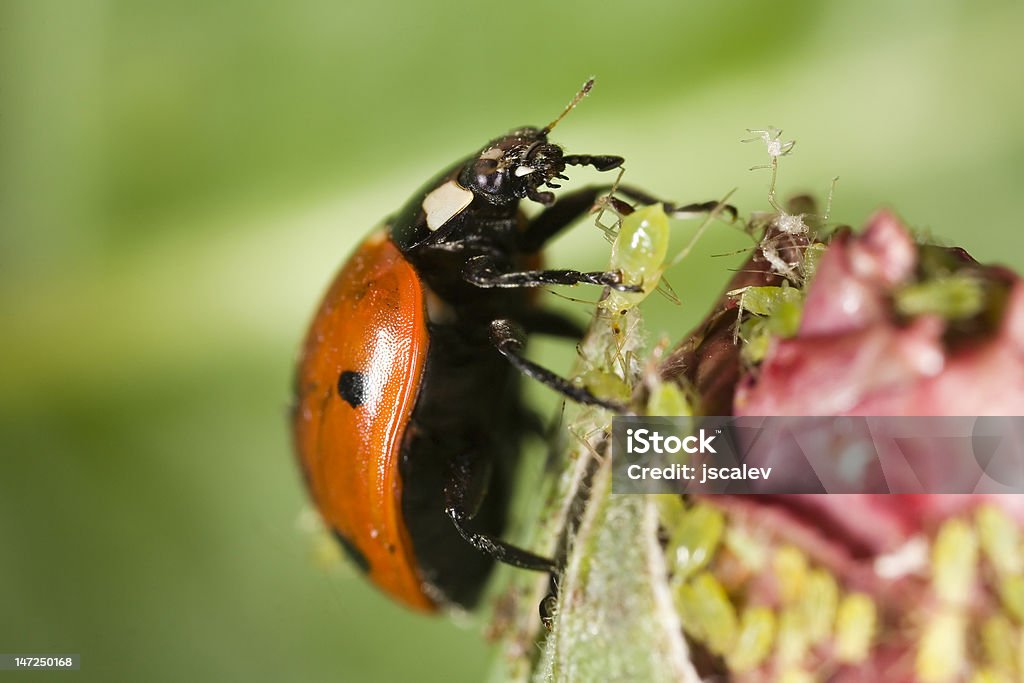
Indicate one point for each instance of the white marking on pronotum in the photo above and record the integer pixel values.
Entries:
(494, 153)
(445, 203)
(524, 170)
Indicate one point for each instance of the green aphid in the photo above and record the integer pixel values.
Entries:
(955, 562)
(776, 312)
(639, 253)
(999, 643)
(791, 571)
(785, 318)
(769, 301)
(856, 623)
(941, 651)
(667, 398)
(1011, 593)
(707, 613)
(1000, 540)
(754, 643)
(693, 542)
(953, 297)
(817, 605)
(607, 385)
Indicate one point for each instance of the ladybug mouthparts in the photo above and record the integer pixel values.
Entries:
(512, 167)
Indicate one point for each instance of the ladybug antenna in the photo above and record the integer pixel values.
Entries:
(572, 105)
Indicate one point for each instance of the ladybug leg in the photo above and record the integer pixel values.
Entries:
(573, 205)
(677, 210)
(501, 551)
(508, 338)
(552, 324)
(458, 508)
(602, 162)
(482, 271)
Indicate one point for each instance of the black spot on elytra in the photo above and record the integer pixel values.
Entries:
(352, 388)
(353, 552)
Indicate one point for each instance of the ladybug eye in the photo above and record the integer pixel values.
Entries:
(487, 177)
(490, 182)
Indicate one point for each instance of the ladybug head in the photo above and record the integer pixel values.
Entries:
(513, 167)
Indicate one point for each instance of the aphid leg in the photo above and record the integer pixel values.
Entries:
(742, 294)
(618, 209)
(774, 166)
(482, 271)
(509, 339)
(458, 507)
(609, 203)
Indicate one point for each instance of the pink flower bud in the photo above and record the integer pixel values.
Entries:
(889, 327)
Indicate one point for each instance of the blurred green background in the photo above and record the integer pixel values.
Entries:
(179, 181)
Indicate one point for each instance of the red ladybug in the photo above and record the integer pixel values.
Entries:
(408, 415)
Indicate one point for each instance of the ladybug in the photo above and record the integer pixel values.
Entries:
(408, 416)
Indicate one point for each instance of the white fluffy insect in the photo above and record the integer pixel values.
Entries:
(786, 224)
(772, 138)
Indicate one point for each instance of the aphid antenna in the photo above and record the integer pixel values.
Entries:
(828, 202)
(572, 105)
(751, 271)
(714, 213)
(573, 299)
(666, 289)
(734, 253)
